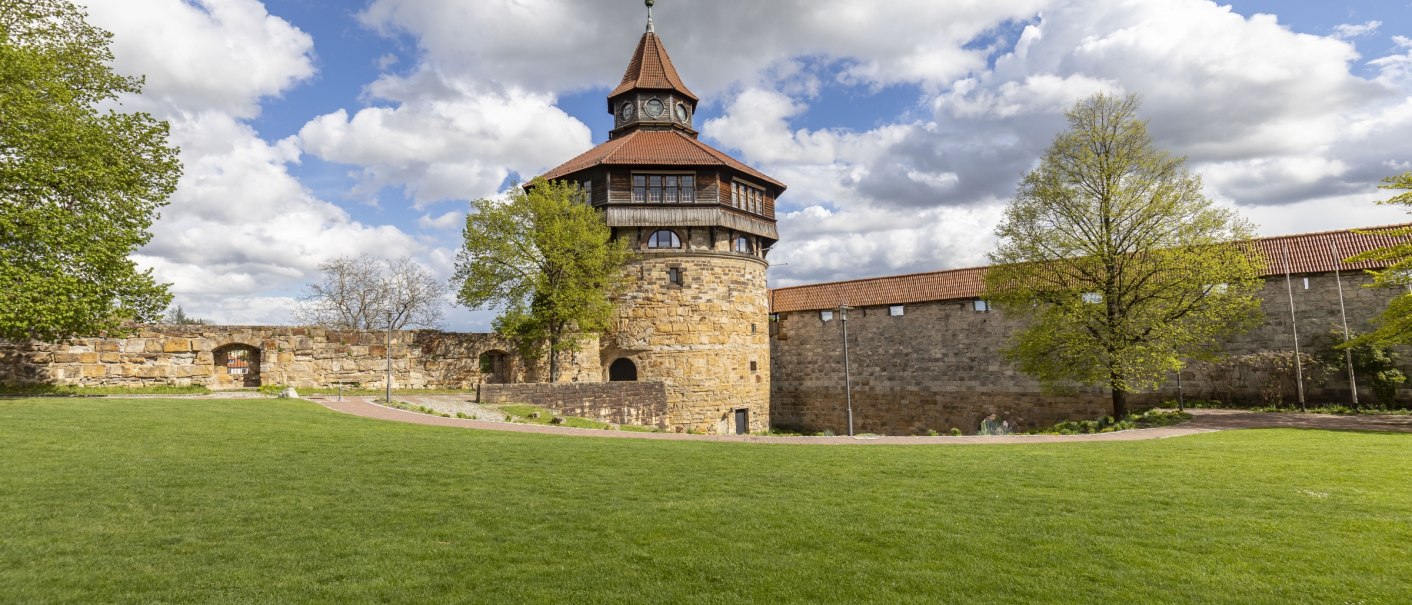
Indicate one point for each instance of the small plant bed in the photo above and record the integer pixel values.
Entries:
(48, 390)
(1284, 408)
(1146, 420)
(275, 389)
(533, 414)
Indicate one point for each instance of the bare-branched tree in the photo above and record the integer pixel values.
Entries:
(358, 293)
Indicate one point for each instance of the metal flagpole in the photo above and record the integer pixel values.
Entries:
(1343, 313)
(1294, 327)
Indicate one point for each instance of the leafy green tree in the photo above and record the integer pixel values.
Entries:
(176, 316)
(548, 261)
(1395, 324)
(80, 182)
(1121, 266)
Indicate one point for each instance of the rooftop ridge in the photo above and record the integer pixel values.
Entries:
(955, 283)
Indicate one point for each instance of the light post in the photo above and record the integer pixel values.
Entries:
(389, 358)
(847, 373)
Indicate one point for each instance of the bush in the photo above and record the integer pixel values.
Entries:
(1107, 424)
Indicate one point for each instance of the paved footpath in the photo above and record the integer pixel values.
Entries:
(1205, 421)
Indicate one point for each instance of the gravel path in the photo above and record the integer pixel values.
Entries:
(1206, 421)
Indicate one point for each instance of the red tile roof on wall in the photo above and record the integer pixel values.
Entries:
(1308, 253)
(655, 148)
(650, 68)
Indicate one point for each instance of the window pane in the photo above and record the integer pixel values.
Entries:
(688, 194)
(688, 181)
(654, 194)
(639, 180)
(639, 194)
(655, 180)
(671, 181)
(670, 193)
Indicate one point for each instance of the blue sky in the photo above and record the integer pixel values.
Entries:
(317, 128)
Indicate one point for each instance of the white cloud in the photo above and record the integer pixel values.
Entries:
(241, 226)
(241, 233)
(450, 220)
(442, 142)
(1345, 31)
(198, 55)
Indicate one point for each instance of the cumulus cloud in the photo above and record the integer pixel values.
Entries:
(1270, 116)
(241, 234)
(445, 142)
(221, 55)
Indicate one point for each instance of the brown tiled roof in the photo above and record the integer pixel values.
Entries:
(651, 68)
(655, 148)
(1308, 253)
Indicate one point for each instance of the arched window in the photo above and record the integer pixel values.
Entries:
(663, 239)
(742, 244)
(622, 370)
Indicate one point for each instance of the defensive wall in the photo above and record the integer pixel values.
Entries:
(926, 352)
(232, 357)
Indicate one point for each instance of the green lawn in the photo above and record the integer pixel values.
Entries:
(264, 501)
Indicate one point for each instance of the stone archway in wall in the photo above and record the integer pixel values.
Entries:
(622, 370)
(236, 366)
(495, 367)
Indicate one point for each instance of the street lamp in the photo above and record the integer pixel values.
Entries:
(847, 373)
(389, 358)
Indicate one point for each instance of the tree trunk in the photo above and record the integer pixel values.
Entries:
(1120, 404)
(553, 358)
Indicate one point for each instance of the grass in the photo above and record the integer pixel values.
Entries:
(76, 391)
(257, 501)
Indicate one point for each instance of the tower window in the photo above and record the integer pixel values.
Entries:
(670, 188)
(663, 239)
(747, 197)
(742, 245)
(674, 276)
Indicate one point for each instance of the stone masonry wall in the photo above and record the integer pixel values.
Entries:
(640, 403)
(706, 339)
(300, 357)
(940, 365)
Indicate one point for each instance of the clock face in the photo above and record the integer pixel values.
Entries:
(625, 111)
(681, 112)
(654, 108)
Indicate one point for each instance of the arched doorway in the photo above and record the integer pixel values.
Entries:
(495, 367)
(237, 365)
(622, 370)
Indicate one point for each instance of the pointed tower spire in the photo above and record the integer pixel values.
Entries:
(649, 15)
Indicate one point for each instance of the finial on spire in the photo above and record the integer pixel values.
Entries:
(649, 15)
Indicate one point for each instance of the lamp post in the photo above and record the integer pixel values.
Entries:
(389, 358)
(847, 373)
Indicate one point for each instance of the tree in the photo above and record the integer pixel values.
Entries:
(1395, 325)
(79, 184)
(358, 293)
(548, 261)
(1122, 267)
(178, 317)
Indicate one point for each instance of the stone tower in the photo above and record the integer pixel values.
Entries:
(696, 312)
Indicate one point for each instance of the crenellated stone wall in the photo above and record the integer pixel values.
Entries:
(940, 364)
(295, 356)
